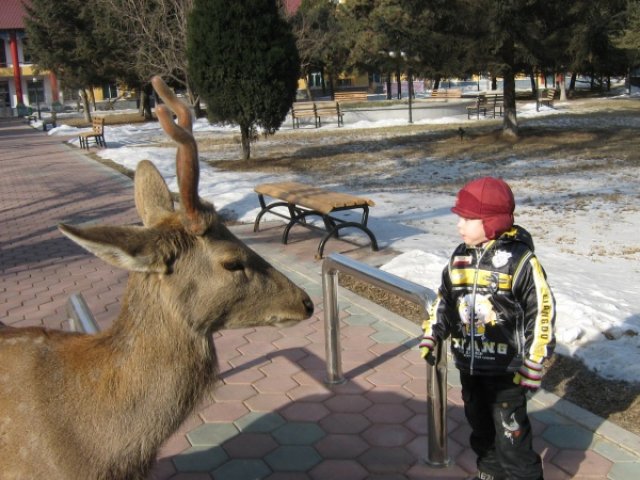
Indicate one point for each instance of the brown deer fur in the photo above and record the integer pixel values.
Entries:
(79, 407)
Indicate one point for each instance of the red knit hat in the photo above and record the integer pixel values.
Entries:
(489, 199)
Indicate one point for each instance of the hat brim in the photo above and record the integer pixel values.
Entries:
(465, 213)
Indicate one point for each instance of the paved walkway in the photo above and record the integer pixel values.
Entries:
(272, 416)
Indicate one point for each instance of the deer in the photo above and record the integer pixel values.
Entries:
(78, 406)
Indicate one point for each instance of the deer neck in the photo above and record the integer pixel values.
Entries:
(158, 361)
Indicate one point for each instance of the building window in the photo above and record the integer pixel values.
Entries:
(3, 54)
(4, 95)
(109, 90)
(36, 92)
(26, 55)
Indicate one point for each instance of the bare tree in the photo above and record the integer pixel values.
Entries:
(157, 34)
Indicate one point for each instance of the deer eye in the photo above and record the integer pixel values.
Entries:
(233, 265)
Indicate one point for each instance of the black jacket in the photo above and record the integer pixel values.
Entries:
(506, 286)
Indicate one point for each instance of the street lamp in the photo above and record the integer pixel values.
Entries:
(35, 87)
(403, 55)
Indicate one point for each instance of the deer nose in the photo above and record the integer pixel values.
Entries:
(308, 305)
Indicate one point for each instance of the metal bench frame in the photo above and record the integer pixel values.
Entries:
(298, 216)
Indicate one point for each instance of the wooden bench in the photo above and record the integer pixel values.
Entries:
(547, 96)
(447, 93)
(303, 110)
(303, 200)
(328, 109)
(480, 106)
(487, 103)
(495, 102)
(315, 110)
(96, 133)
(350, 96)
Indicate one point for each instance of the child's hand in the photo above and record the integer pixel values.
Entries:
(529, 375)
(426, 348)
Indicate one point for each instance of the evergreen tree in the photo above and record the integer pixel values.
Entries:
(244, 63)
(70, 45)
(320, 39)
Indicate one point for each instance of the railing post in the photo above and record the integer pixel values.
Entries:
(437, 455)
(80, 317)
(332, 326)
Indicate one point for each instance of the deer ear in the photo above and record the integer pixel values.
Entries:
(123, 247)
(152, 196)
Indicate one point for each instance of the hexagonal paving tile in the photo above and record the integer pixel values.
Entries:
(339, 470)
(210, 434)
(298, 433)
(260, 422)
(250, 445)
(388, 435)
(305, 412)
(345, 423)
(388, 413)
(341, 446)
(242, 469)
(200, 459)
(347, 403)
(294, 458)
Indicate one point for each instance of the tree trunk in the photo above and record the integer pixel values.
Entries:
(389, 75)
(572, 83)
(93, 99)
(510, 123)
(307, 86)
(532, 78)
(436, 82)
(245, 133)
(145, 101)
(563, 87)
(399, 81)
(85, 104)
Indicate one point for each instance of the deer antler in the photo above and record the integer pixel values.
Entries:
(187, 167)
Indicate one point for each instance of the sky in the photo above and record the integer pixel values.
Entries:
(585, 226)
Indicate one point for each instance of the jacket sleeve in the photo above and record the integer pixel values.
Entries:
(532, 291)
(440, 312)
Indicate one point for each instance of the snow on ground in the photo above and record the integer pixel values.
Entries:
(590, 247)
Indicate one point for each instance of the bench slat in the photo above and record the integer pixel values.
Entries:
(312, 197)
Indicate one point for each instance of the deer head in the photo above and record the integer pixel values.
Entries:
(192, 256)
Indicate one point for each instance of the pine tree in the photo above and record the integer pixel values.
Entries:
(244, 63)
(70, 45)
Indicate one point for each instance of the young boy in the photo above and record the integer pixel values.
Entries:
(496, 305)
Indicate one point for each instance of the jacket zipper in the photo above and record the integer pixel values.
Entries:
(472, 310)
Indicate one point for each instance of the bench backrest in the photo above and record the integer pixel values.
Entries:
(449, 92)
(327, 106)
(350, 96)
(548, 94)
(97, 123)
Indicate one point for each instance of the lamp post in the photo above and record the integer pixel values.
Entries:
(403, 55)
(35, 87)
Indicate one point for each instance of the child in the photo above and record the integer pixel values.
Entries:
(496, 305)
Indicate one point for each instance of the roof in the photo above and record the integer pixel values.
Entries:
(291, 6)
(12, 16)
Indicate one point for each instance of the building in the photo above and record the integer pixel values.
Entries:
(20, 85)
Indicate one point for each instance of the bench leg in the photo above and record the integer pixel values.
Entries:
(299, 216)
(267, 209)
(334, 232)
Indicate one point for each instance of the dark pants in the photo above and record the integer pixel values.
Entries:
(501, 435)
